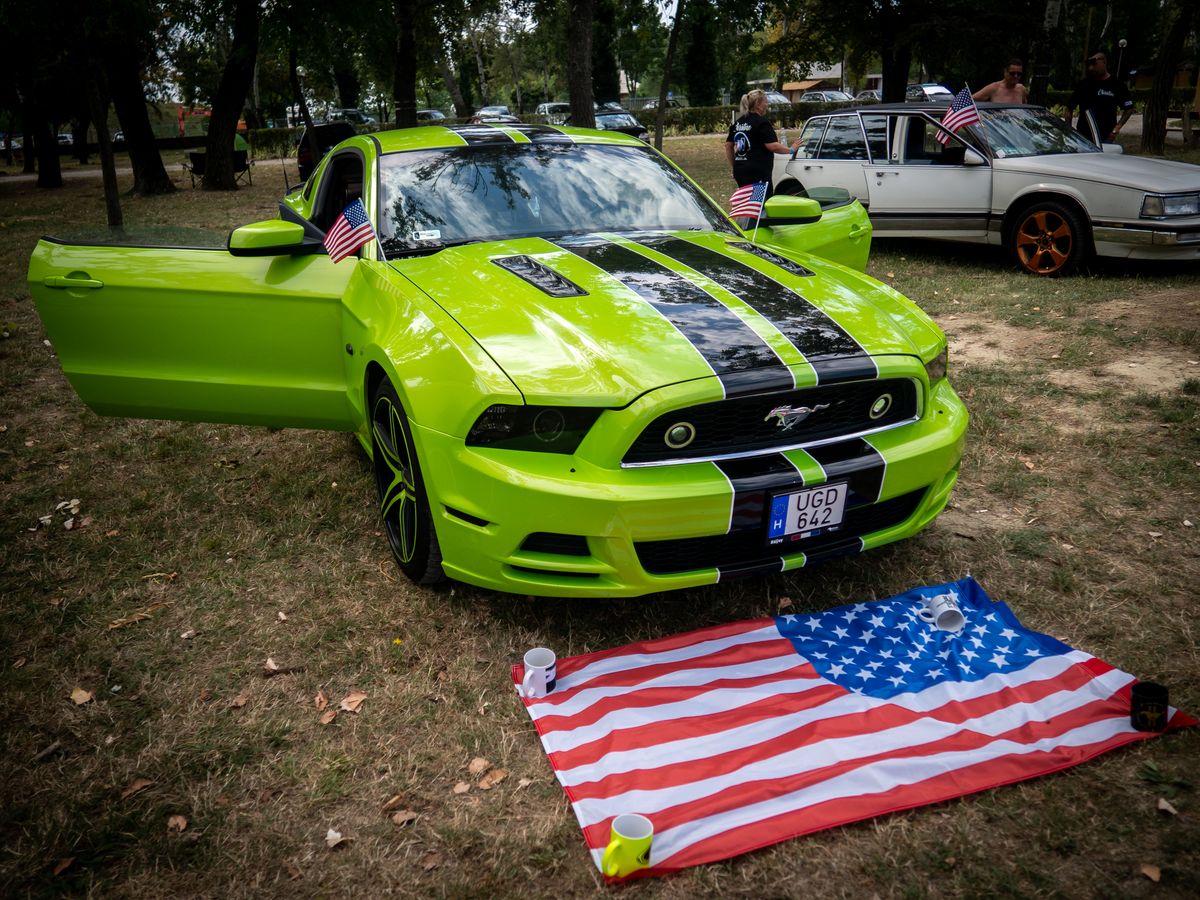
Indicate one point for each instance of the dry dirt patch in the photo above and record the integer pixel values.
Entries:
(980, 341)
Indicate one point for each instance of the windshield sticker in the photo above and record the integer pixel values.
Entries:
(432, 235)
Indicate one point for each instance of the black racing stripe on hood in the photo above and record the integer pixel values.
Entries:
(854, 461)
(828, 347)
(543, 134)
(743, 361)
(480, 135)
(752, 477)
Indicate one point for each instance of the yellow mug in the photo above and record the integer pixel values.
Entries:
(629, 848)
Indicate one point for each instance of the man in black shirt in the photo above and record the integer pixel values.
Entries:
(751, 145)
(1101, 95)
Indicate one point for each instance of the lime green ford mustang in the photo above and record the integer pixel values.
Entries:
(573, 374)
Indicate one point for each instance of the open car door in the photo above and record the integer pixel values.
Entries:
(204, 334)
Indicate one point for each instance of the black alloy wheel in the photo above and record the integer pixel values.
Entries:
(403, 504)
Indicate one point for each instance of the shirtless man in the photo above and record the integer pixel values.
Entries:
(1009, 88)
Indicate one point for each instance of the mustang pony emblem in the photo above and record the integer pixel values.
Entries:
(790, 415)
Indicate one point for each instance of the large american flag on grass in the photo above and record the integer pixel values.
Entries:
(738, 736)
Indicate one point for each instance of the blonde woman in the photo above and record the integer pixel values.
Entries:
(751, 145)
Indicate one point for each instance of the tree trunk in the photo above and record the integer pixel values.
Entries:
(512, 60)
(404, 80)
(294, 78)
(579, 61)
(483, 84)
(79, 134)
(129, 99)
(49, 170)
(460, 105)
(29, 147)
(1154, 119)
(98, 109)
(660, 114)
(896, 60)
(231, 99)
(348, 87)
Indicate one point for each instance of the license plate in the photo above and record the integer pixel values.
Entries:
(807, 513)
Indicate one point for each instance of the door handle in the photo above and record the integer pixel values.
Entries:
(70, 281)
(810, 166)
(856, 230)
(881, 173)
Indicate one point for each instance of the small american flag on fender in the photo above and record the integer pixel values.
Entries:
(739, 736)
(748, 201)
(350, 231)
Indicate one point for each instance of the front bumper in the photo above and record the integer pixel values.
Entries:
(1151, 241)
(669, 527)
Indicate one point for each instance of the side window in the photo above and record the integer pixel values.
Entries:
(843, 139)
(921, 146)
(880, 130)
(810, 138)
(341, 184)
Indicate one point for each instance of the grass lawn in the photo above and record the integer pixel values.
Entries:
(201, 551)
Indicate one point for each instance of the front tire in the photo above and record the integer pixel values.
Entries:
(403, 503)
(1048, 239)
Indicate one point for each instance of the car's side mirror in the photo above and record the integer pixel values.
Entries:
(973, 157)
(784, 209)
(273, 238)
(1112, 148)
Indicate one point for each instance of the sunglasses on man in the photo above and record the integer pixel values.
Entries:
(1018, 74)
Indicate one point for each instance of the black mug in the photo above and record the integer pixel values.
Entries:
(1148, 706)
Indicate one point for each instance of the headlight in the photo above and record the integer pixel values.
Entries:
(547, 429)
(936, 367)
(1160, 206)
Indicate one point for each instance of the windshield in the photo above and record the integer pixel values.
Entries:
(1029, 131)
(484, 193)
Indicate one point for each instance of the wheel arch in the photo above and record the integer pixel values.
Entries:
(1046, 195)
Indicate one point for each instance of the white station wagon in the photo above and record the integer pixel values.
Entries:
(1021, 178)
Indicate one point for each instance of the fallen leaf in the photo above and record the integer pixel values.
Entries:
(396, 800)
(1187, 523)
(270, 667)
(321, 700)
(1165, 806)
(352, 701)
(113, 533)
(478, 766)
(281, 616)
(293, 872)
(79, 696)
(177, 824)
(85, 522)
(492, 778)
(238, 702)
(168, 576)
(785, 603)
(431, 860)
(1155, 534)
(63, 864)
(405, 817)
(189, 634)
(524, 783)
(136, 787)
(1068, 546)
(205, 695)
(461, 788)
(328, 716)
(20, 663)
(140, 616)
(335, 839)
(1154, 873)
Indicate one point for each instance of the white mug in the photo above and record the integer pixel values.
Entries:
(540, 673)
(942, 612)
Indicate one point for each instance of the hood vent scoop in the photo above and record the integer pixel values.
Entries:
(546, 280)
(770, 257)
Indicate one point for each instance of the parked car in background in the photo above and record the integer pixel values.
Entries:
(672, 103)
(554, 113)
(1021, 179)
(776, 100)
(825, 97)
(573, 375)
(486, 111)
(353, 116)
(493, 118)
(328, 135)
(868, 96)
(66, 139)
(928, 93)
(623, 122)
(430, 115)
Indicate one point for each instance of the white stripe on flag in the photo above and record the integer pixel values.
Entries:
(628, 661)
(816, 755)
(874, 779)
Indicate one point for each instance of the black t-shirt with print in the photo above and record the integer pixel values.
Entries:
(1103, 96)
(752, 161)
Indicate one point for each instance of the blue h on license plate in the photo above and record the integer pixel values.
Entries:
(807, 513)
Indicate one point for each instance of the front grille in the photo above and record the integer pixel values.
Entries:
(747, 549)
(745, 424)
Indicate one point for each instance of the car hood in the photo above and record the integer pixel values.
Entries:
(643, 311)
(1139, 172)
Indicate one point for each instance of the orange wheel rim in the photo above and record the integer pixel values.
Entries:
(1044, 242)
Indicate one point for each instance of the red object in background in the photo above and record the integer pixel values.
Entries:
(181, 131)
